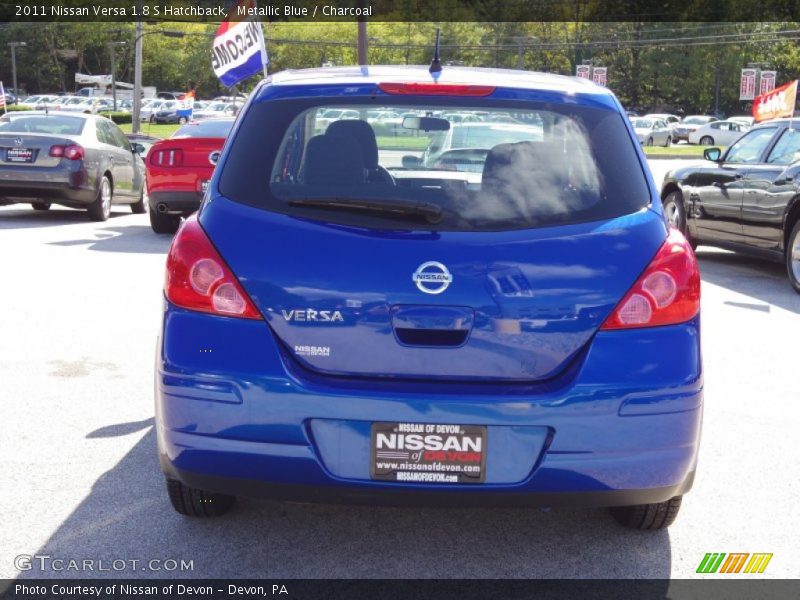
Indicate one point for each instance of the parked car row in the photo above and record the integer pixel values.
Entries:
(664, 129)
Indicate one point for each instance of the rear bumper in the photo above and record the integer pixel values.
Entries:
(56, 184)
(621, 428)
(179, 203)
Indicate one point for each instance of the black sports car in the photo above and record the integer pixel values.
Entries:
(746, 198)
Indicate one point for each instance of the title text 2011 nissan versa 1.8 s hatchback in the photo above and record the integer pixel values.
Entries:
(510, 323)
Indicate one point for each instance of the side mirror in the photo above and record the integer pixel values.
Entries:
(410, 161)
(213, 158)
(137, 148)
(712, 154)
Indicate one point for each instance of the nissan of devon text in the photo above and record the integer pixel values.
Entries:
(512, 323)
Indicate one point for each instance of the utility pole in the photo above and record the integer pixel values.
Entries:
(363, 42)
(716, 90)
(136, 109)
(14, 46)
(111, 47)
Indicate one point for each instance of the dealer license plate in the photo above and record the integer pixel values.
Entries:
(428, 453)
(19, 155)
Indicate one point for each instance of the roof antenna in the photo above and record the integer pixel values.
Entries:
(436, 65)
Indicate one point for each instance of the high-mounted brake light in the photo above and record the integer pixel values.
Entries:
(198, 279)
(436, 89)
(667, 293)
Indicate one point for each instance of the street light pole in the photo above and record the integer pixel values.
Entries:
(14, 46)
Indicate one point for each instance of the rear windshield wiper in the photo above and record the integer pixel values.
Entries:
(390, 208)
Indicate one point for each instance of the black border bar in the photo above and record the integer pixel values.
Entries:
(404, 10)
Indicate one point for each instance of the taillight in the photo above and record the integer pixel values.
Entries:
(668, 292)
(70, 152)
(167, 158)
(436, 89)
(198, 278)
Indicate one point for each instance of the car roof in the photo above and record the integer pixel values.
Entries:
(507, 78)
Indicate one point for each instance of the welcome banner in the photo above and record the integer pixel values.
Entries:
(778, 103)
(238, 51)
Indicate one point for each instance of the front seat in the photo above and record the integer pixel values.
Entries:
(363, 134)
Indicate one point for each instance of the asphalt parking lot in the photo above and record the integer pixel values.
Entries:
(78, 321)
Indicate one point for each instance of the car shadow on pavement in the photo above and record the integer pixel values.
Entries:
(24, 217)
(763, 280)
(135, 239)
(127, 516)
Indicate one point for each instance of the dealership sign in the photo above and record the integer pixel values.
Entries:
(767, 82)
(600, 75)
(779, 103)
(747, 86)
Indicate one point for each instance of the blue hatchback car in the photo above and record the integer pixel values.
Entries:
(456, 290)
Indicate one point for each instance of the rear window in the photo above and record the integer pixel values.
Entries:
(55, 124)
(211, 129)
(484, 167)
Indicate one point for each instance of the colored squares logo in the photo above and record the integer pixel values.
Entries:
(719, 562)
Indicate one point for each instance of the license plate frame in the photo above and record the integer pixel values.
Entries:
(19, 155)
(438, 453)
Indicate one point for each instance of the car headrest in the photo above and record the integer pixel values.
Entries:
(363, 133)
(518, 166)
(334, 160)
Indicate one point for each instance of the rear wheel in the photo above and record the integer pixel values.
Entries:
(163, 222)
(138, 207)
(668, 142)
(793, 257)
(649, 142)
(193, 502)
(41, 206)
(100, 209)
(648, 516)
(706, 140)
(182, 120)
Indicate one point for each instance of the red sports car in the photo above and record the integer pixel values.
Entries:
(179, 168)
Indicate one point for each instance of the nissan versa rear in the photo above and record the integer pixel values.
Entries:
(461, 290)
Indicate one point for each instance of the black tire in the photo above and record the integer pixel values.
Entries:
(139, 207)
(793, 257)
(649, 142)
(100, 209)
(164, 223)
(41, 206)
(648, 516)
(706, 140)
(197, 503)
(668, 142)
(676, 214)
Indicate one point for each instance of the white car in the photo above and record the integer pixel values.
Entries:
(38, 100)
(743, 119)
(718, 133)
(670, 119)
(213, 110)
(652, 131)
(689, 124)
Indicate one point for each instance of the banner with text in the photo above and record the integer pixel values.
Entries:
(779, 103)
(747, 86)
(238, 50)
